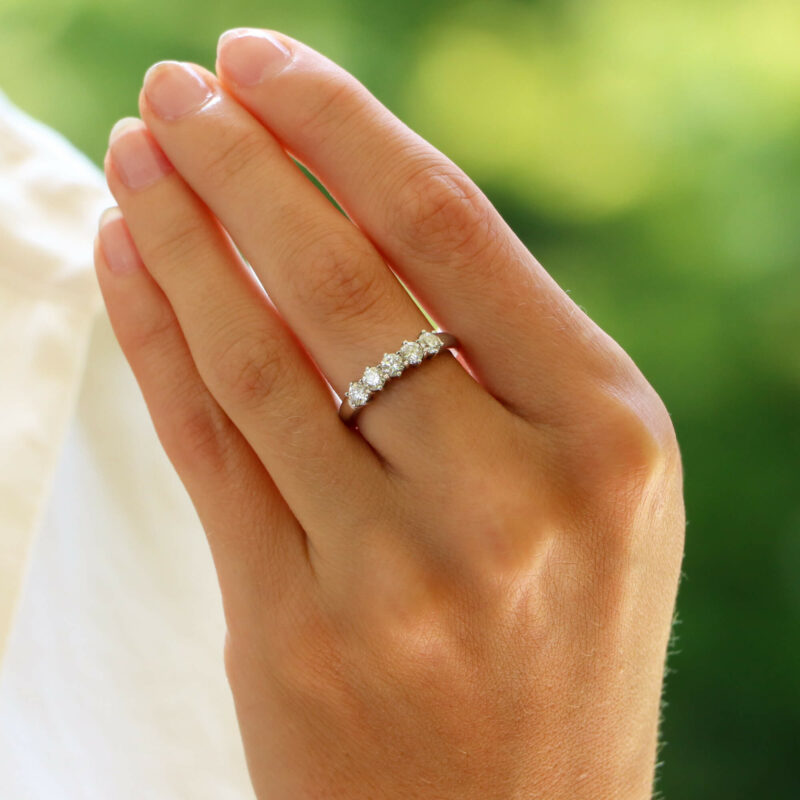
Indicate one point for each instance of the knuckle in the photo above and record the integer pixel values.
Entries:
(250, 369)
(423, 657)
(237, 155)
(198, 440)
(425, 651)
(149, 332)
(243, 663)
(641, 442)
(179, 242)
(628, 448)
(502, 523)
(635, 491)
(340, 278)
(438, 207)
(333, 99)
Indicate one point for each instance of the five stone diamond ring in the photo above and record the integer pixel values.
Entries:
(392, 365)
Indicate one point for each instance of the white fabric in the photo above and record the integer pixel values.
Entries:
(111, 676)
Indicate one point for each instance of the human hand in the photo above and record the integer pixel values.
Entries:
(471, 595)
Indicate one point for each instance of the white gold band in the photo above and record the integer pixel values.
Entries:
(392, 365)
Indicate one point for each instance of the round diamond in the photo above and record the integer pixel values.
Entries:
(430, 342)
(358, 394)
(373, 378)
(392, 365)
(411, 352)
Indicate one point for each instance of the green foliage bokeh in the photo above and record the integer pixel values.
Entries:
(649, 156)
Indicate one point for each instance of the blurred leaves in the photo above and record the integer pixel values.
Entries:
(649, 155)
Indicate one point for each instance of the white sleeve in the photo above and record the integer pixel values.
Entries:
(112, 684)
(50, 198)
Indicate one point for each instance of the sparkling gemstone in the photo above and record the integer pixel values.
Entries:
(373, 378)
(430, 342)
(392, 365)
(357, 394)
(411, 352)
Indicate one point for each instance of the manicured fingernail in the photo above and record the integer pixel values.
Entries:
(118, 247)
(122, 125)
(175, 89)
(248, 55)
(137, 158)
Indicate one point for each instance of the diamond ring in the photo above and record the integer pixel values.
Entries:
(392, 365)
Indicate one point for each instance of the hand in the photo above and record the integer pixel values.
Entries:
(470, 595)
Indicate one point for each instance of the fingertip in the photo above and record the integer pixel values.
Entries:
(108, 215)
(248, 56)
(116, 242)
(103, 272)
(233, 33)
(97, 253)
(142, 101)
(122, 125)
(284, 40)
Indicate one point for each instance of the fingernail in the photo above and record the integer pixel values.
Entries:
(121, 125)
(248, 55)
(137, 158)
(175, 89)
(116, 242)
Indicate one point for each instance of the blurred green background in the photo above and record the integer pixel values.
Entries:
(649, 155)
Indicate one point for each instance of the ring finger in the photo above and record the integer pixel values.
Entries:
(325, 277)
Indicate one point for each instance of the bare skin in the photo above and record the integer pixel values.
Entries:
(468, 596)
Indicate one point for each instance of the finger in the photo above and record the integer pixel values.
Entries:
(324, 276)
(249, 360)
(228, 485)
(432, 223)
